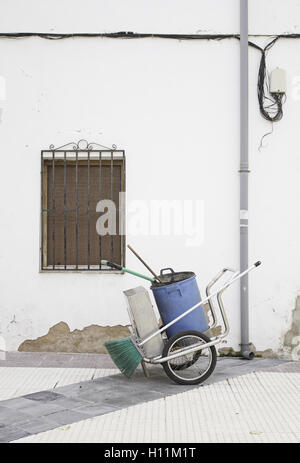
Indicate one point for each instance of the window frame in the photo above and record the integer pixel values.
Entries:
(82, 153)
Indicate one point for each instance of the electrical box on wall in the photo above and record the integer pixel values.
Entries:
(278, 81)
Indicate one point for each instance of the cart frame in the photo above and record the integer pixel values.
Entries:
(209, 296)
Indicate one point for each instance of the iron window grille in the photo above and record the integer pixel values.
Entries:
(74, 178)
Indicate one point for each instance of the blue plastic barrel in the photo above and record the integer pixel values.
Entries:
(173, 299)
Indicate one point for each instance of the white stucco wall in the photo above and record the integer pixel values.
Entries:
(173, 105)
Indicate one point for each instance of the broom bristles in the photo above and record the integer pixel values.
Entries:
(124, 354)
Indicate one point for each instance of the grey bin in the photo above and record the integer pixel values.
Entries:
(143, 320)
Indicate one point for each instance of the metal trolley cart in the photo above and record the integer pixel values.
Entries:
(188, 357)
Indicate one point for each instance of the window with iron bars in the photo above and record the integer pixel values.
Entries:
(74, 178)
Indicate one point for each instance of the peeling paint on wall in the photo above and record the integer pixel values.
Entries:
(230, 352)
(88, 340)
(291, 342)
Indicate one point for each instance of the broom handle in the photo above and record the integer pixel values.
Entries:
(138, 274)
(198, 304)
(124, 269)
(143, 262)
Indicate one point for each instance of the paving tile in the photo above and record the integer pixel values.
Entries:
(66, 417)
(286, 367)
(36, 409)
(121, 397)
(16, 403)
(54, 364)
(68, 358)
(37, 425)
(71, 402)
(123, 401)
(97, 409)
(83, 390)
(69, 390)
(43, 396)
(9, 416)
(54, 359)
(19, 364)
(12, 433)
(93, 396)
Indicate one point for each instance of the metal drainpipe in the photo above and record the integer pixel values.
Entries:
(244, 172)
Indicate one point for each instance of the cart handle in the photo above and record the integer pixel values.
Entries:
(208, 288)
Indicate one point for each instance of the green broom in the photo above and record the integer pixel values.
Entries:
(124, 354)
(123, 351)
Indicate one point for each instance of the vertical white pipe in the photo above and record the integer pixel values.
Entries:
(244, 173)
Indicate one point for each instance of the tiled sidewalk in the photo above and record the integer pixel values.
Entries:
(98, 399)
(54, 360)
(19, 381)
(260, 407)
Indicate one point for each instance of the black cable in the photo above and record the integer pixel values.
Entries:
(116, 35)
(264, 136)
(272, 112)
(136, 35)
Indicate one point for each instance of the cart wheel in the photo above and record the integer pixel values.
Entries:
(191, 368)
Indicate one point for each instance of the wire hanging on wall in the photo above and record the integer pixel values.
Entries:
(270, 106)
